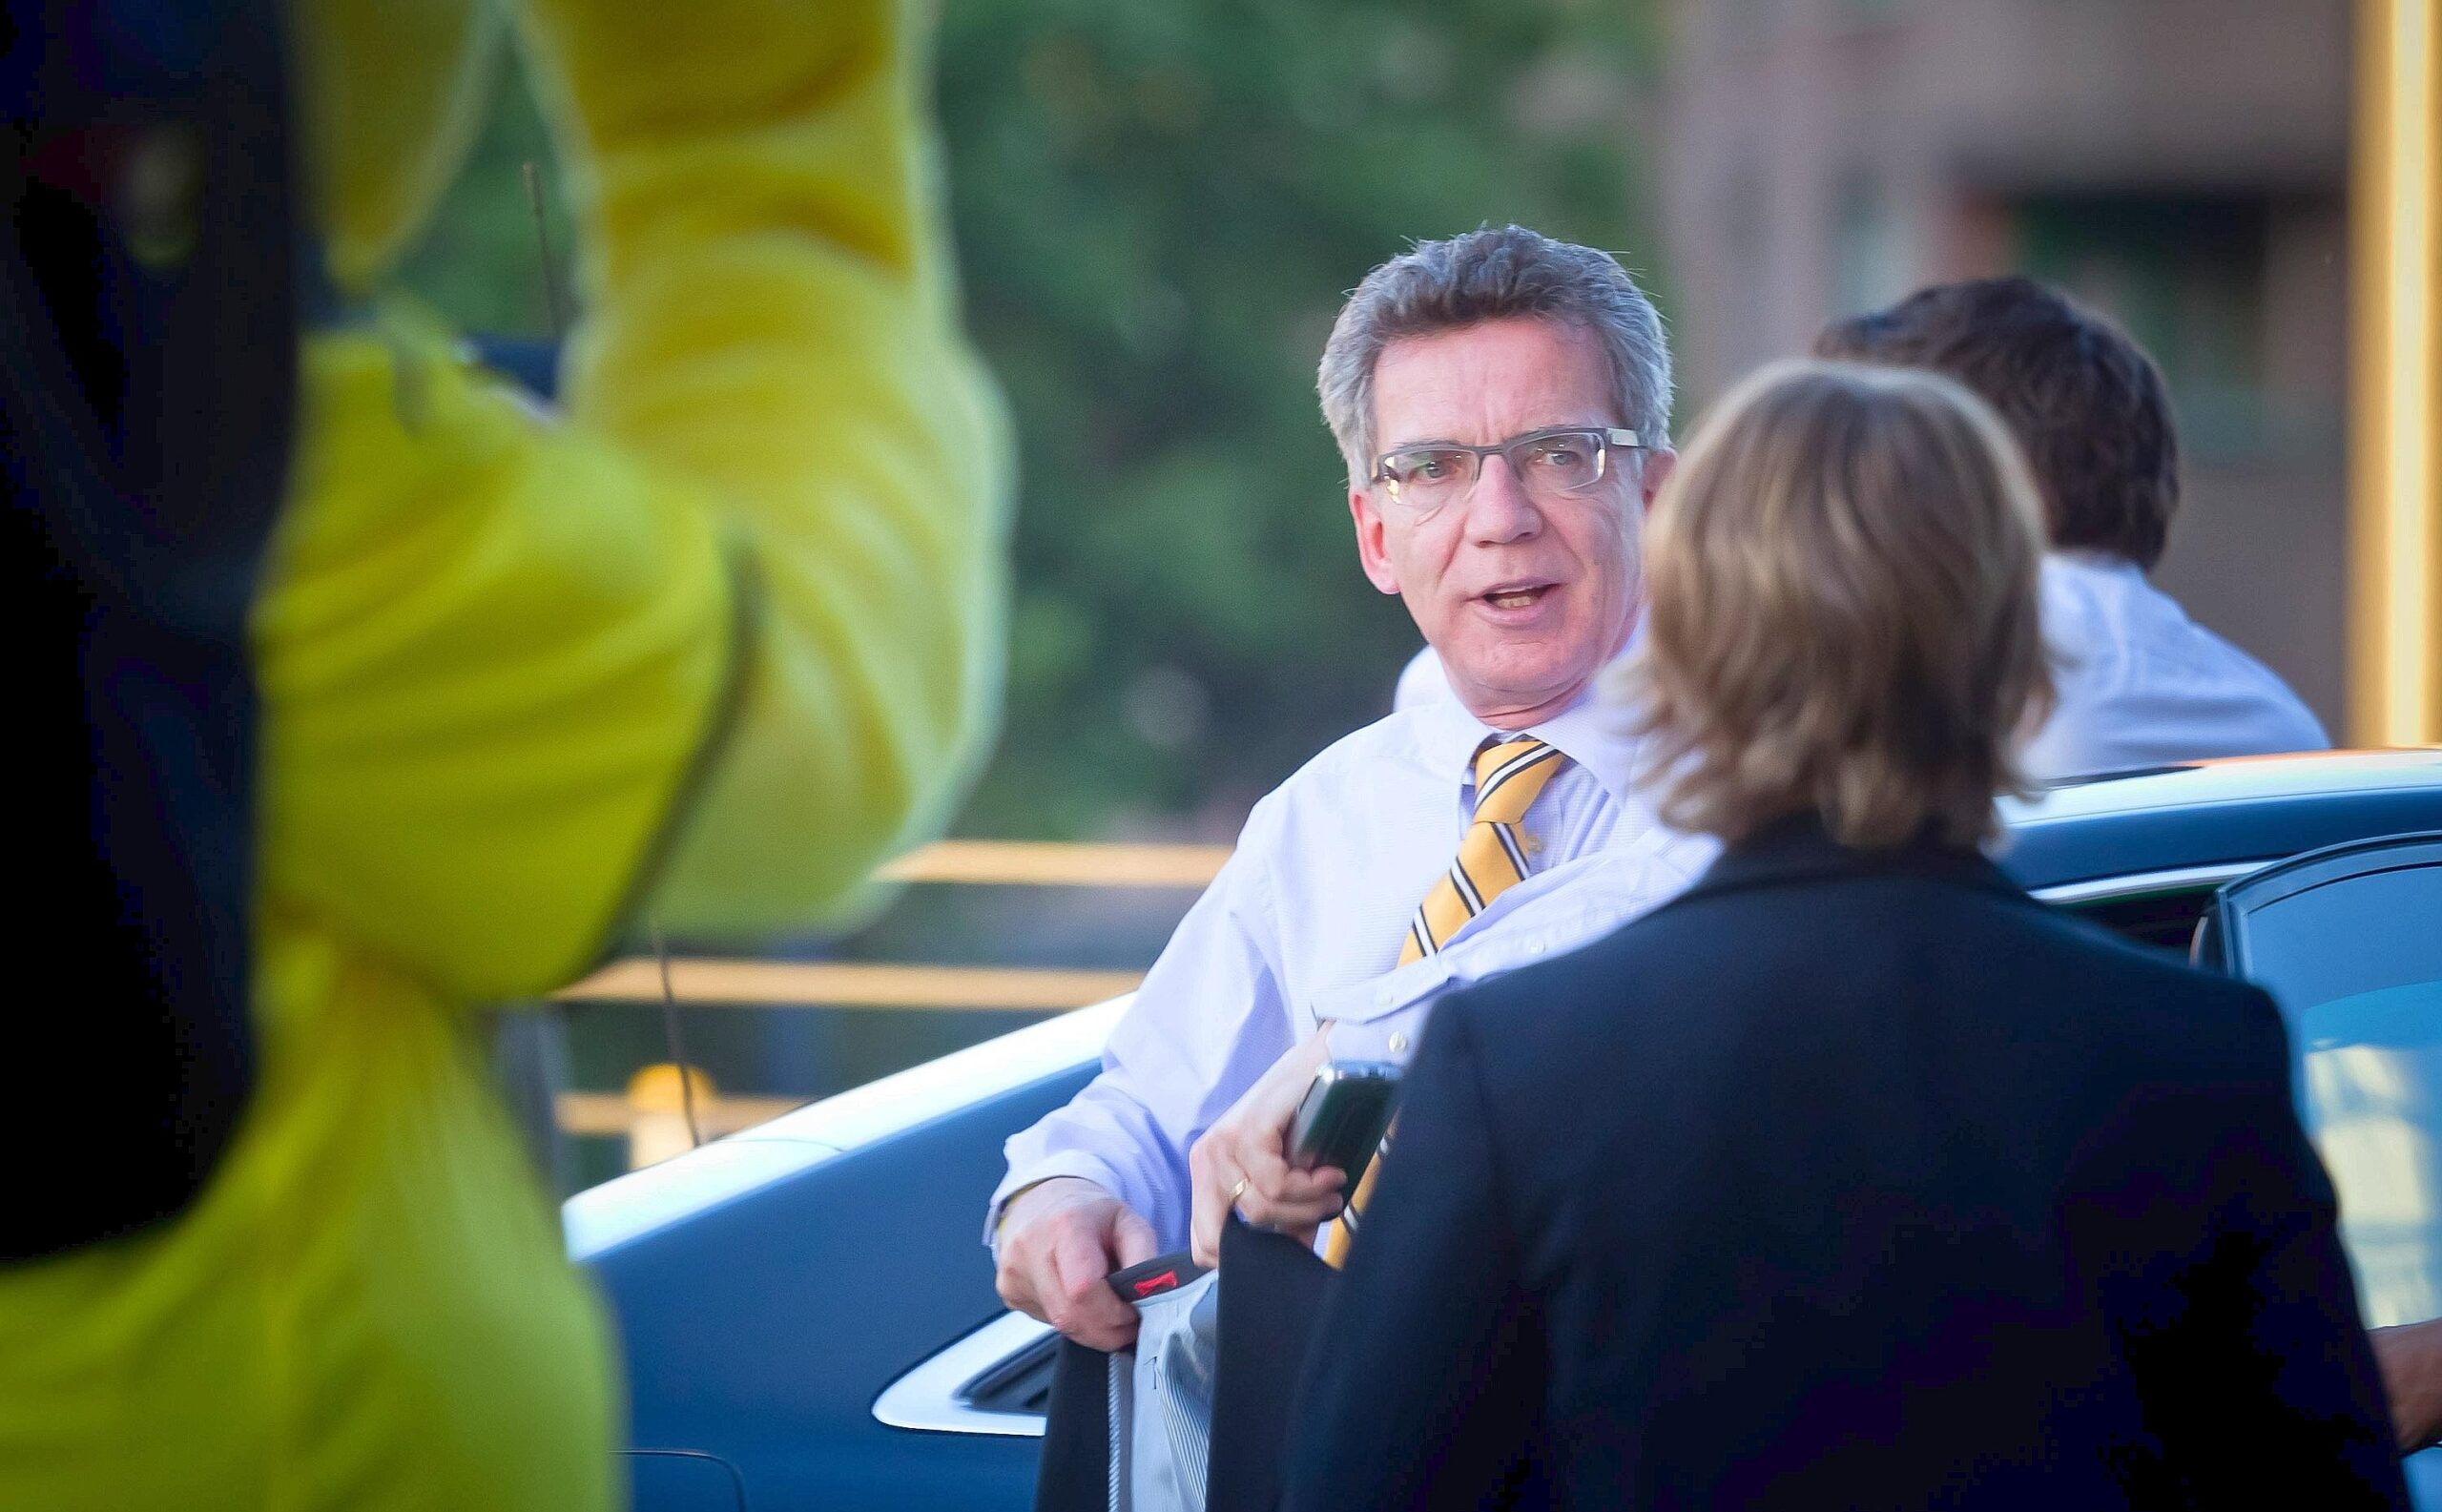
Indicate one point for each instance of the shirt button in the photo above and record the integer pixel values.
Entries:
(1398, 1043)
(1536, 948)
(1383, 999)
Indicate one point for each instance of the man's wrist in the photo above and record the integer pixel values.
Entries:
(1008, 1205)
(1001, 1223)
(1009, 1202)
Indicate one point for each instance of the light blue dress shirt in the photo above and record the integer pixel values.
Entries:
(2140, 684)
(1303, 928)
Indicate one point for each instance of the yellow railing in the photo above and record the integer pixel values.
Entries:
(651, 1119)
(615, 1114)
(1039, 863)
(844, 984)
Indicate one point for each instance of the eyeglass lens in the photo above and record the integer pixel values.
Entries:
(1548, 465)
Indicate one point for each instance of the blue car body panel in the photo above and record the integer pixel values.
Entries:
(770, 1321)
(769, 1286)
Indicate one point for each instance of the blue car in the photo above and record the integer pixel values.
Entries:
(807, 1308)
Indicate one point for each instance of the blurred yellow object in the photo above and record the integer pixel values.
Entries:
(717, 643)
(658, 1090)
(609, 1115)
(658, 1105)
(2396, 398)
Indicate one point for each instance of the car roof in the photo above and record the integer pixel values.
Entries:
(2211, 813)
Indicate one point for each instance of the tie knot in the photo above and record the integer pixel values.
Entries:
(1509, 774)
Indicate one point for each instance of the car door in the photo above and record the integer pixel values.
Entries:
(2349, 942)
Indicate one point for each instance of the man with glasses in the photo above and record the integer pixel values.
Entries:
(1503, 404)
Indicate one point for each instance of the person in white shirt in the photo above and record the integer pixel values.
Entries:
(1502, 400)
(2139, 683)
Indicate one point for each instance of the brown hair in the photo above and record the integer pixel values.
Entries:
(2084, 401)
(1841, 577)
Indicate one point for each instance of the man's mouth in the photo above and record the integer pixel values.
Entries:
(1516, 595)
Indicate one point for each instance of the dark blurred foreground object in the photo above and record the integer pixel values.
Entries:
(701, 648)
(148, 315)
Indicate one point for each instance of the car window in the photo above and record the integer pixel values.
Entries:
(2164, 919)
(2355, 962)
(2371, 1096)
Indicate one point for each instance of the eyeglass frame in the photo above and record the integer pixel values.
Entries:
(1613, 438)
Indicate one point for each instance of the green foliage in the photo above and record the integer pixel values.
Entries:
(1158, 210)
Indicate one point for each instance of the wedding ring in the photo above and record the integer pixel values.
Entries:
(1237, 1191)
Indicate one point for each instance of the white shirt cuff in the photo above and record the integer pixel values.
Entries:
(1060, 1163)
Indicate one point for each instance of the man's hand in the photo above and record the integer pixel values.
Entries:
(1242, 1160)
(1060, 1239)
(2410, 1358)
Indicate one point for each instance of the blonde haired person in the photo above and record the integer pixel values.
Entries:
(1853, 1175)
(1844, 615)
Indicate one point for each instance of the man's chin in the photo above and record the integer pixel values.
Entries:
(1508, 700)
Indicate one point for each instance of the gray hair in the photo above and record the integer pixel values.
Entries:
(1491, 274)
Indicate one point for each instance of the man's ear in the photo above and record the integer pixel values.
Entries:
(1373, 548)
(1659, 464)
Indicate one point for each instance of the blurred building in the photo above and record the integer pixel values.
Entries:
(2180, 163)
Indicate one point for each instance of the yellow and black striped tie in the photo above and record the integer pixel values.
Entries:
(1492, 859)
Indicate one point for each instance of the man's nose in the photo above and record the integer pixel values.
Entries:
(1499, 509)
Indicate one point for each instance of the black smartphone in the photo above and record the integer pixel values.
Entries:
(1343, 1116)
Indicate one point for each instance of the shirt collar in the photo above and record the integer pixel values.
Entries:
(1589, 732)
(1595, 735)
(2092, 564)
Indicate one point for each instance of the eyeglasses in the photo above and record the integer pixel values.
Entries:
(1548, 464)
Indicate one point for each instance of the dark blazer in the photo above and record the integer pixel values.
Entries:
(1848, 1179)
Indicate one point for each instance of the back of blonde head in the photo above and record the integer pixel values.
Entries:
(1842, 588)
